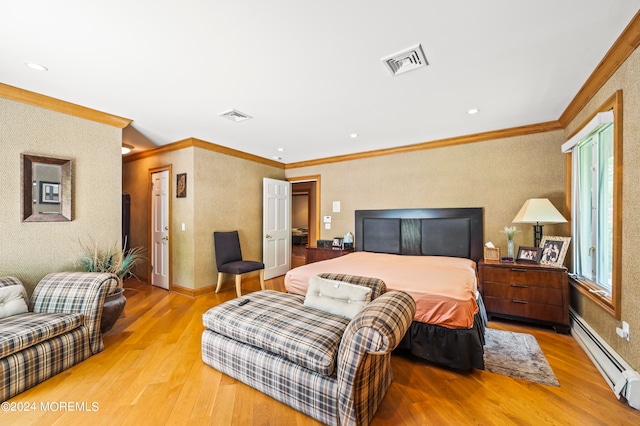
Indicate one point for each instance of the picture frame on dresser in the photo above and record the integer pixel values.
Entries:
(554, 250)
(529, 254)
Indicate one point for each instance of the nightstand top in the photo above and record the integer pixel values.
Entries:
(528, 265)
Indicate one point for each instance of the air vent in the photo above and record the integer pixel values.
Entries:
(407, 60)
(235, 115)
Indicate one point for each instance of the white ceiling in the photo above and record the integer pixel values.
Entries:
(310, 73)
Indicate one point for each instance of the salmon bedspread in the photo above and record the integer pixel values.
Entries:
(444, 288)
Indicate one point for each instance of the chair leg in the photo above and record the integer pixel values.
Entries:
(262, 279)
(220, 274)
(238, 288)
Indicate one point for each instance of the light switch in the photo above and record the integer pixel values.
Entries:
(183, 227)
(327, 226)
(336, 206)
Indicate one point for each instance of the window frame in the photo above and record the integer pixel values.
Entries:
(610, 304)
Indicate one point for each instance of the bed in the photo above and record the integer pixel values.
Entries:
(300, 236)
(431, 254)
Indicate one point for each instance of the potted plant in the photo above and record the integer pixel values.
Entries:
(115, 260)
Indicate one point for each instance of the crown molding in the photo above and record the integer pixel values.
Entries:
(53, 104)
(441, 143)
(198, 143)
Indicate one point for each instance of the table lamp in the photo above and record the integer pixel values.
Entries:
(538, 211)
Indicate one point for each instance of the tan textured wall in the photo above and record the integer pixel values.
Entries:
(497, 175)
(223, 193)
(136, 183)
(32, 250)
(627, 79)
(228, 197)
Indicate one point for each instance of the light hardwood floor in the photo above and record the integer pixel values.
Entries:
(151, 373)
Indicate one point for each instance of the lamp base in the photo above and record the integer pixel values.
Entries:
(537, 235)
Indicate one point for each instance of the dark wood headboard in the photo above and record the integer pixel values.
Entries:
(455, 232)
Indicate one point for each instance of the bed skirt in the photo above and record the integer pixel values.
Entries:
(459, 349)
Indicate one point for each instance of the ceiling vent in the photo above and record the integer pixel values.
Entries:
(407, 60)
(235, 115)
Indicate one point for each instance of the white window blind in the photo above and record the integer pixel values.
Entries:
(600, 120)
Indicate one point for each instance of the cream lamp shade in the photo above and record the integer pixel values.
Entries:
(538, 211)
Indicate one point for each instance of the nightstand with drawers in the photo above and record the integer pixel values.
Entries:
(316, 254)
(526, 291)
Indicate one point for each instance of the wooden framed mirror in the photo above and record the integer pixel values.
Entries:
(47, 189)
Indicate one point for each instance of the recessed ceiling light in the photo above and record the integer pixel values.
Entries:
(354, 135)
(35, 66)
(126, 149)
(280, 149)
(473, 111)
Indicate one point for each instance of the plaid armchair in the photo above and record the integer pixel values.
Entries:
(333, 369)
(61, 328)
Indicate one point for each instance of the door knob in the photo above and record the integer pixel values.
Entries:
(165, 238)
(267, 236)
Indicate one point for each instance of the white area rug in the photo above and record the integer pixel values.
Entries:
(517, 355)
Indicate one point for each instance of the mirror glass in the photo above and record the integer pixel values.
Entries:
(46, 189)
(47, 179)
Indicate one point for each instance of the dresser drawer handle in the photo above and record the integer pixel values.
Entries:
(519, 285)
(520, 301)
(518, 270)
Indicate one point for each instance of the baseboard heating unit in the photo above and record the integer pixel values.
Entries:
(624, 381)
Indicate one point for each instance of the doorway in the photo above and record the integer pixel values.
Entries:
(305, 216)
(159, 220)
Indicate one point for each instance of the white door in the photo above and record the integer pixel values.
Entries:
(276, 226)
(160, 229)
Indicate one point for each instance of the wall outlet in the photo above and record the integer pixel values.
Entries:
(624, 331)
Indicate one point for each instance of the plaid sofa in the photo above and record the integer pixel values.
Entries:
(332, 369)
(61, 328)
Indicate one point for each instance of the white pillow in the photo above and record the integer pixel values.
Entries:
(336, 297)
(12, 301)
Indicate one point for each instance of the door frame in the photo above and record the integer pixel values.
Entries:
(316, 225)
(151, 171)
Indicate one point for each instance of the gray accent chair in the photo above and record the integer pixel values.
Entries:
(229, 260)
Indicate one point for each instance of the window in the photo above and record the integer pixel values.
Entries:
(596, 158)
(593, 207)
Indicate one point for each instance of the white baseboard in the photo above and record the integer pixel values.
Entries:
(623, 380)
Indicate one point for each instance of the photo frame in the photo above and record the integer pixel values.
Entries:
(337, 242)
(324, 243)
(492, 253)
(554, 250)
(49, 192)
(181, 185)
(529, 254)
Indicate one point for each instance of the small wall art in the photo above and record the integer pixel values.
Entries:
(181, 185)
